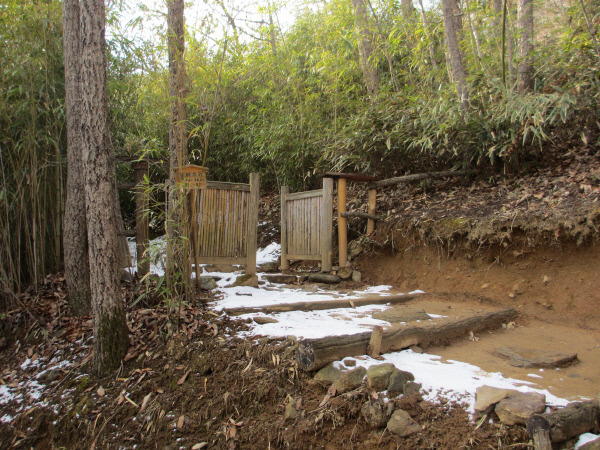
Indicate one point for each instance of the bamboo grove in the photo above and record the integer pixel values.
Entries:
(350, 85)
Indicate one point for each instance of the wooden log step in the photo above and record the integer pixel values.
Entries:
(313, 354)
(329, 304)
(565, 423)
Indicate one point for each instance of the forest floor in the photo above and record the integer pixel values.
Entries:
(191, 380)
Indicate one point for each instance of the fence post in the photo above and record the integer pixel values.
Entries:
(372, 204)
(342, 222)
(326, 224)
(285, 264)
(142, 203)
(252, 223)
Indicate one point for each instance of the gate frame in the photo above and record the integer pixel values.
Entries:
(326, 225)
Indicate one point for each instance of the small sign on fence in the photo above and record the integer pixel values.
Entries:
(191, 176)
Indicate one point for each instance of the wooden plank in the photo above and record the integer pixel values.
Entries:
(252, 223)
(371, 209)
(416, 177)
(313, 354)
(194, 237)
(284, 263)
(342, 223)
(374, 347)
(355, 177)
(324, 305)
(326, 224)
(305, 194)
(228, 186)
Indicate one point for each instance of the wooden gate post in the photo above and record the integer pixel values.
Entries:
(326, 224)
(252, 224)
(142, 223)
(285, 263)
(371, 208)
(342, 222)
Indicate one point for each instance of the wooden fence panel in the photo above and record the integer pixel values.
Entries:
(225, 223)
(306, 225)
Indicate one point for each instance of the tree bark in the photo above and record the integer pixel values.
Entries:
(111, 336)
(75, 244)
(178, 270)
(365, 47)
(525, 20)
(453, 33)
(312, 354)
(568, 422)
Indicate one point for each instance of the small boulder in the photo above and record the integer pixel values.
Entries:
(532, 358)
(376, 412)
(349, 362)
(270, 267)
(350, 380)
(520, 406)
(328, 374)
(207, 283)
(412, 388)
(378, 376)
(323, 278)
(591, 445)
(248, 280)
(281, 279)
(262, 320)
(356, 276)
(402, 424)
(345, 273)
(354, 249)
(488, 396)
(290, 412)
(398, 379)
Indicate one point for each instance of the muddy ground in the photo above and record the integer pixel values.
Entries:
(526, 241)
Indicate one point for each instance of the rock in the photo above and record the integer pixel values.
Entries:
(290, 412)
(262, 320)
(354, 249)
(378, 376)
(356, 276)
(591, 445)
(246, 280)
(412, 388)
(207, 283)
(520, 406)
(328, 374)
(270, 267)
(402, 424)
(323, 278)
(530, 358)
(416, 349)
(225, 268)
(397, 314)
(281, 279)
(345, 273)
(125, 276)
(350, 380)
(349, 362)
(398, 379)
(487, 396)
(376, 412)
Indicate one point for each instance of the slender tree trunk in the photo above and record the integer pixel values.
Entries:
(111, 336)
(178, 269)
(365, 48)
(453, 32)
(526, 71)
(428, 33)
(75, 244)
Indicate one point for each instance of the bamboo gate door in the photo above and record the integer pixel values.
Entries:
(224, 223)
(307, 225)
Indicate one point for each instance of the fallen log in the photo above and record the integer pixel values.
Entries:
(415, 177)
(329, 304)
(313, 354)
(362, 215)
(568, 422)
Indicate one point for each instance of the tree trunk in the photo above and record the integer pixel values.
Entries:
(429, 37)
(453, 32)
(177, 266)
(111, 336)
(75, 244)
(526, 71)
(365, 48)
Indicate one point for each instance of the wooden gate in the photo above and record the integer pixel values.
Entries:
(224, 223)
(306, 225)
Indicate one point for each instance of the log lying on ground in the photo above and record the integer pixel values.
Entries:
(329, 304)
(313, 354)
(415, 177)
(568, 422)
